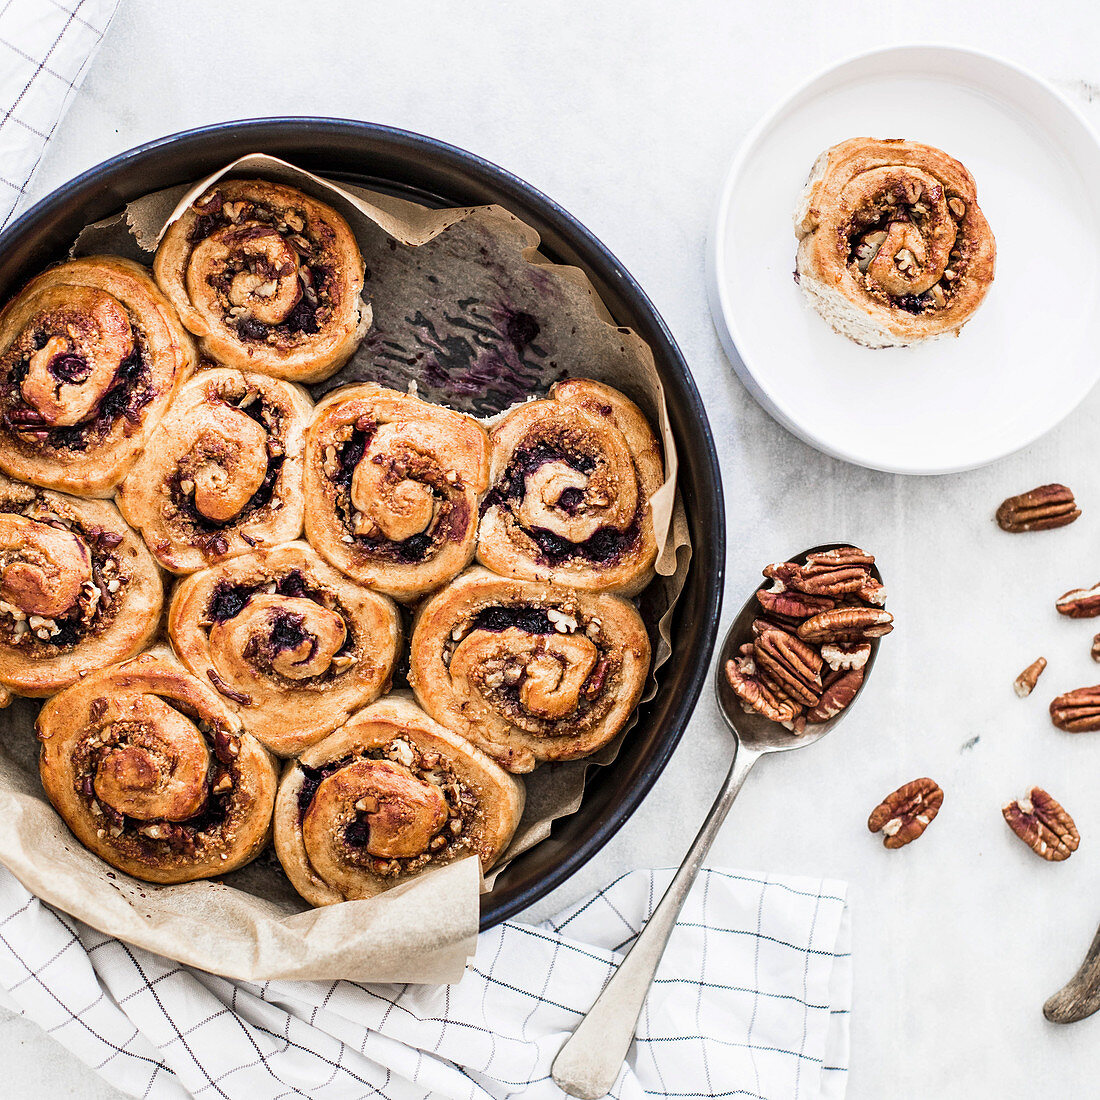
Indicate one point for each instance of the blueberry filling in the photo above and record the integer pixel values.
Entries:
(288, 631)
(69, 369)
(312, 779)
(357, 834)
(570, 501)
(531, 620)
(228, 599)
(607, 543)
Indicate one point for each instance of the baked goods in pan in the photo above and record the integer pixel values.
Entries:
(392, 487)
(91, 353)
(572, 479)
(292, 645)
(151, 771)
(389, 795)
(222, 472)
(528, 671)
(78, 589)
(893, 248)
(268, 279)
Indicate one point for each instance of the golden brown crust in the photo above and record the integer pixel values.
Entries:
(572, 478)
(78, 589)
(151, 772)
(268, 278)
(293, 646)
(388, 796)
(222, 473)
(91, 353)
(392, 487)
(528, 671)
(893, 246)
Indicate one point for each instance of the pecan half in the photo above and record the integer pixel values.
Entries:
(1043, 825)
(905, 814)
(1096, 647)
(790, 605)
(789, 665)
(846, 624)
(1080, 603)
(839, 691)
(757, 696)
(1077, 711)
(1024, 684)
(1039, 510)
(844, 655)
(834, 573)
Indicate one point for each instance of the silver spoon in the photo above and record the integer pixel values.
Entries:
(590, 1060)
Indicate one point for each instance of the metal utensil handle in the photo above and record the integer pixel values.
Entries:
(589, 1062)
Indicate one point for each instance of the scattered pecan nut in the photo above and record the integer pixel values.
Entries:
(846, 624)
(1039, 510)
(1024, 684)
(901, 817)
(1043, 825)
(1096, 647)
(1077, 711)
(1080, 603)
(839, 691)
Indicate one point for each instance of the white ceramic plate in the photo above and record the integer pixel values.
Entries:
(1032, 351)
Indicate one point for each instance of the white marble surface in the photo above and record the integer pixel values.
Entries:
(627, 113)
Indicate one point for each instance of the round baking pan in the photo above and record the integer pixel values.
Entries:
(431, 172)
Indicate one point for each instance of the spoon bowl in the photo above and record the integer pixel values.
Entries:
(752, 730)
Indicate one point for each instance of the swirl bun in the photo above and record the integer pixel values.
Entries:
(292, 644)
(528, 671)
(388, 796)
(267, 278)
(893, 248)
(78, 589)
(150, 770)
(222, 473)
(572, 478)
(392, 487)
(91, 353)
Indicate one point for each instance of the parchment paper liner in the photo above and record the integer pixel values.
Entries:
(454, 294)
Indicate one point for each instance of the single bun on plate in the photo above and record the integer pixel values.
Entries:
(392, 487)
(528, 671)
(572, 480)
(893, 248)
(292, 644)
(386, 797)
(222, 473)
(91, 353)
(151, 771)
(267, 278)
(78, 589)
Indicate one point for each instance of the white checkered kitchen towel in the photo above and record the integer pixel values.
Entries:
(45, 47)
(751, 1001)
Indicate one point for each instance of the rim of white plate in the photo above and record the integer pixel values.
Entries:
(724, 316)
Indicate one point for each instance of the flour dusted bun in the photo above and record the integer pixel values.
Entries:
(893, 248)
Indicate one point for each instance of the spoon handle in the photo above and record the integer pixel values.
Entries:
(589, 1062)
(1080, 996)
